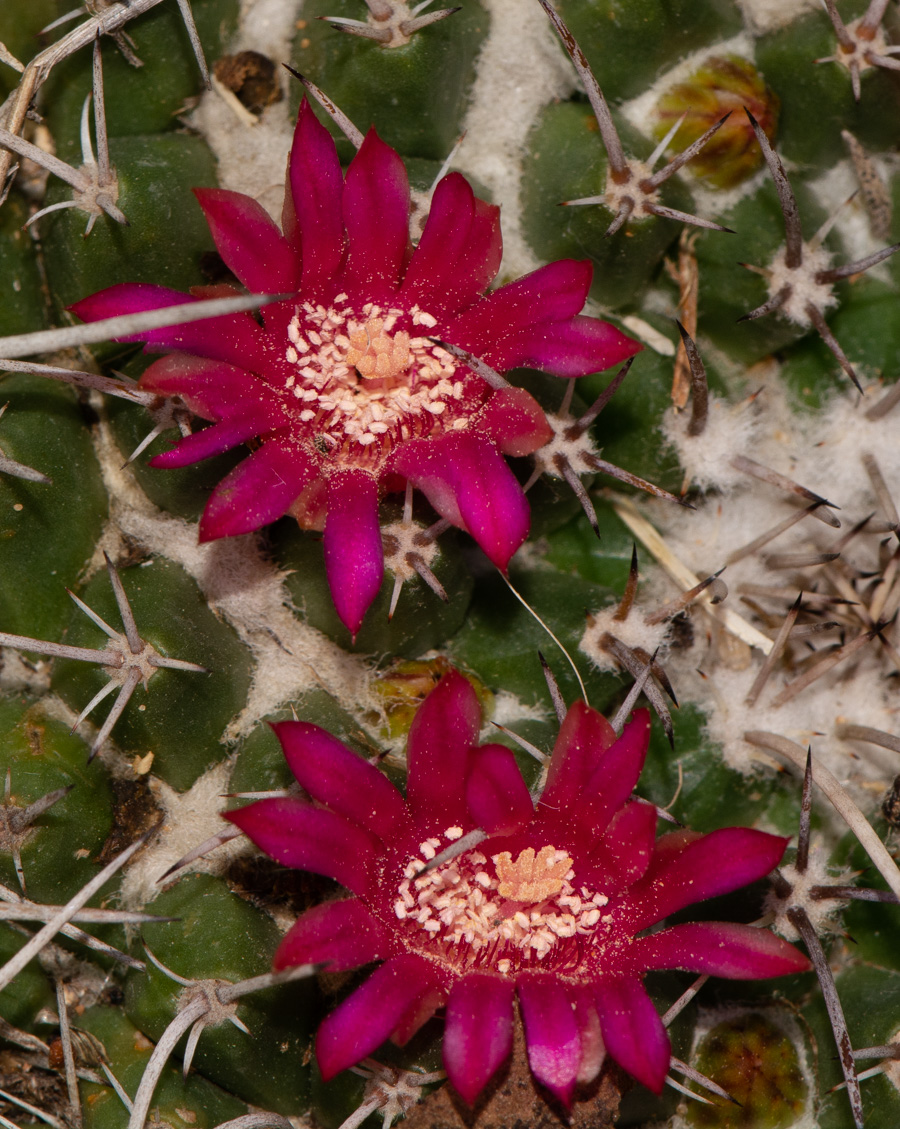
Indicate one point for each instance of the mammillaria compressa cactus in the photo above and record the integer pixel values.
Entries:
(439, 713)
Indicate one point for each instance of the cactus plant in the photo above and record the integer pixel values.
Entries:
(623, 594)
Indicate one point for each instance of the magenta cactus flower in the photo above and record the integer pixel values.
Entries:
(549, 901)
(345, 392)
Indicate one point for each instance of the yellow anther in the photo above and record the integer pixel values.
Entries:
(531, 878)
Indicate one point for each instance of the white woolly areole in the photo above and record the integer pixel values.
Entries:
(189, 819)
(821, 912)
(403, 540)
(731, 429)
(863, 48)
(571, 450)
(801, 282)
(842, 436)
(508, 709)
(634, 631)
(268, 26)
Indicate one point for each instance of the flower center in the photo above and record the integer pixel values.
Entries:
(532, 878)
(499, 912)
(368, 380)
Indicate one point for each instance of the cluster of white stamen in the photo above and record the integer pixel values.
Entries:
(363, 381)
(466, 902)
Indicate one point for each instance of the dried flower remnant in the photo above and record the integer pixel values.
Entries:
(719, 85)
(251, 77)
(875, 194)
(471, 893)
(345, 387)
(686, 275)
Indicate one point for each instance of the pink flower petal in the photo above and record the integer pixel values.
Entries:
(593, 1052)
(671, 845)
(416, 1016)
(127, 298)
(584, 736)
(632, 1030)
(551, 1033)
(623, 854)
(446, 228)
(499, 801)
(343, 935)
(479, 260)
(738, 952)
(714, 864)
(354, 556)
(478, 1037)
(249, 241)
(235, 338)
(438, 753)
(376, 214)
(459, 252)
(549, 294)
(515, 421)
(335, 776)
(316, 186)
(209, 388)
(364, 1020)
(466, 480)
(614, 778)
(567, 348)
(243, 425)
(533, 322)
(297, 834)
(257, 491)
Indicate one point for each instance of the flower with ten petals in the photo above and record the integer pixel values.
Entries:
(344, 391)
(552, 905)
